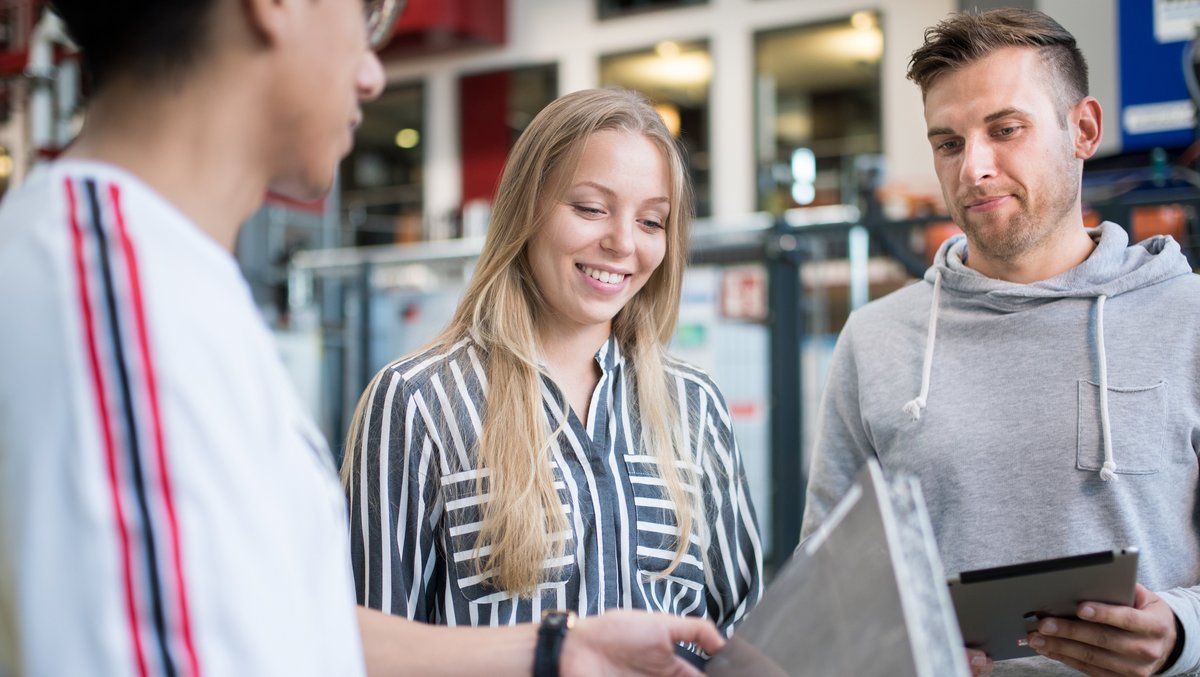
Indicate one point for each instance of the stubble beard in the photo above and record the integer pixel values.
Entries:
(1009, 240)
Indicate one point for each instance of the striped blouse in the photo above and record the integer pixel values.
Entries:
(414, 512)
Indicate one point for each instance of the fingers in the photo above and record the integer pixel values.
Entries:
(1054, 632)
(979, 662)
(1092, 642)
(697, 631)
(1086, 658)
(1138, 619)
(1106, 648)
(1124, 618)
(1143, 634)
(1142, 597)
(1116, 628)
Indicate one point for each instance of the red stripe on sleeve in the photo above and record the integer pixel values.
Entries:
(156, 423)
(105, 425)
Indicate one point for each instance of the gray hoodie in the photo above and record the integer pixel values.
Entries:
(1042, 420)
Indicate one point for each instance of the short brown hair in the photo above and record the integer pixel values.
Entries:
(966, 37)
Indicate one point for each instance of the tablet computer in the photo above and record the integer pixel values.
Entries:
(997, 608)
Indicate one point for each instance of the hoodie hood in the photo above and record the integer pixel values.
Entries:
(1112, 269)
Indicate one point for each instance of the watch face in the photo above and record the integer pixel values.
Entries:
(557, 620)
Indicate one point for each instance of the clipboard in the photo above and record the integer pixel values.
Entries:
(864, 595)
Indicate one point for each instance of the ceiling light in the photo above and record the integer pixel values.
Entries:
(667, 49)
(863, 20)
(408, 138)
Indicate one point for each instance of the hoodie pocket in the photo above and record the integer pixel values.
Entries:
(1137, 418)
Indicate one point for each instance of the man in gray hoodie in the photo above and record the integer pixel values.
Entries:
(1042, 380)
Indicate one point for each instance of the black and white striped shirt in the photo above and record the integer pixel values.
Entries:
(414, 513)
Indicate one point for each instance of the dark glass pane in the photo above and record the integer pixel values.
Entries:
(614, 8)
(382, 179)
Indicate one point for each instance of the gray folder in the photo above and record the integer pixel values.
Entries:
(865, 595)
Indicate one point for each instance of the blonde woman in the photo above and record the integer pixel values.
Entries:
(545, 453)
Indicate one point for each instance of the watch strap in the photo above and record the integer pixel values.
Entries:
(551, 634)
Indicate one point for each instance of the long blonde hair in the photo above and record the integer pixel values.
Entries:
(500, 311)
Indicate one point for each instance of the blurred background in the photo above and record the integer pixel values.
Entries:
(814, 180)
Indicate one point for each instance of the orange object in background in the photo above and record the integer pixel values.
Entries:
(1146, 222)
(1159, 220)
(935, 234)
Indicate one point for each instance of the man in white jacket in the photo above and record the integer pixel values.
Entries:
(166, 507)
(1042, 380)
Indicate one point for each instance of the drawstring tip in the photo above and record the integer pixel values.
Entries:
(914, 407)
(1109, 472)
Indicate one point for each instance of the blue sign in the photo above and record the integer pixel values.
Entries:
(1156, 108)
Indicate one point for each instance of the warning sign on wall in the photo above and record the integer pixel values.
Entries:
(744, 293)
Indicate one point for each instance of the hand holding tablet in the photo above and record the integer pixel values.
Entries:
(998, 608)
(1141, 639)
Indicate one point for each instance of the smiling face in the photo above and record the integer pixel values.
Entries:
(604, 237)
(1008, 152)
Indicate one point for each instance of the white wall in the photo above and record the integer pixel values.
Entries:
(1094, 25)
(568, 33)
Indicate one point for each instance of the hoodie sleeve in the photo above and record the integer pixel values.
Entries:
(843, 444)
(1185, 602)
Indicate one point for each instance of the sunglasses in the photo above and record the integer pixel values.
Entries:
(381, 19)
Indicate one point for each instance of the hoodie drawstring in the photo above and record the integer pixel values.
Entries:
(1108, 472)
(914, 406)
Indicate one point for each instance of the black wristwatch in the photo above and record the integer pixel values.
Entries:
(551, 634)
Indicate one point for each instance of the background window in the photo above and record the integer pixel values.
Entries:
(383, 178)
(677, 77)
(614, 8)
(495, 108)
(818, 113)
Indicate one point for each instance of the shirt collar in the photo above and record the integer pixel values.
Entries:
(609, 356)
